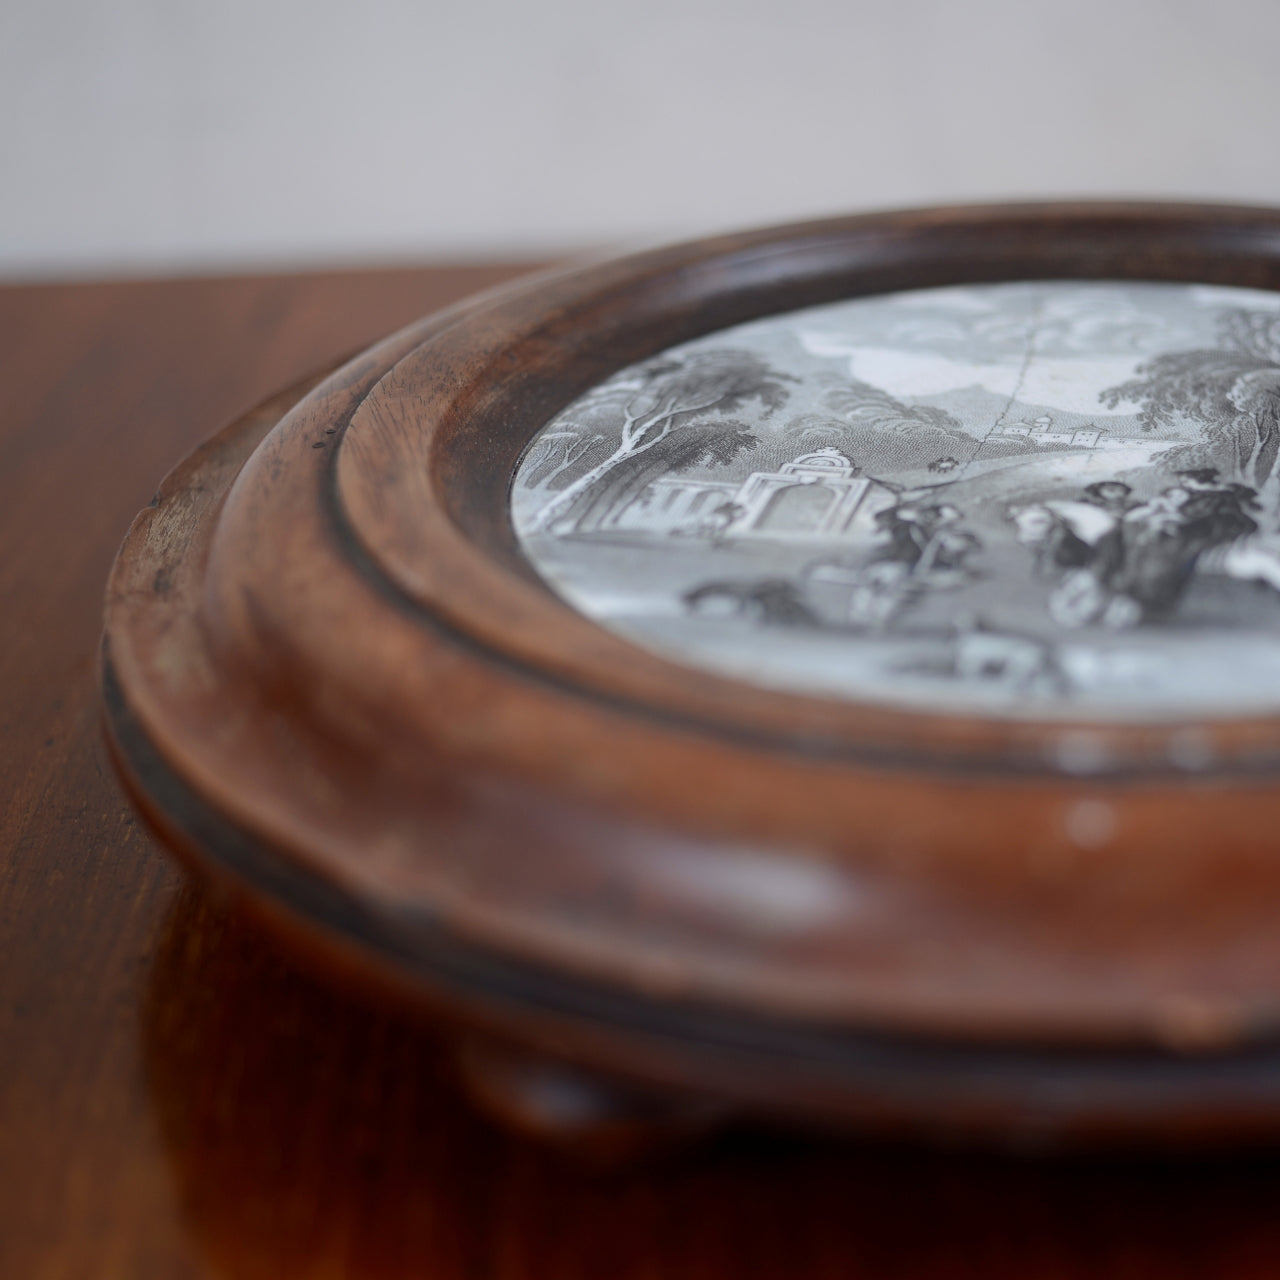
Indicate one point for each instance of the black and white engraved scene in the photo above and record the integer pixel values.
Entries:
(1034, 499)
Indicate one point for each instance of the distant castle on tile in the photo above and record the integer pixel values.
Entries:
(1040, 431)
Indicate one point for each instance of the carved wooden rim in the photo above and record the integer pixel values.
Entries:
(331, 638)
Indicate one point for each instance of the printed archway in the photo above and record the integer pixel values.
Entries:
(798, 508)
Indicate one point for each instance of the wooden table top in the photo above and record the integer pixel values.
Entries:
(179, 1099)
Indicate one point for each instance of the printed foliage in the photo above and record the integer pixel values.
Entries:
(662, 399)
(1233, 390)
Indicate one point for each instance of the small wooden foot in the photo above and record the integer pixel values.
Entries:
(596, 1118)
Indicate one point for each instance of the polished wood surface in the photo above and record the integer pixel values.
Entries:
(178, 1098)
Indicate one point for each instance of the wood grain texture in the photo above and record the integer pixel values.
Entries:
(177, 1099)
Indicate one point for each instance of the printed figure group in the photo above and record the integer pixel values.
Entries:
(921, 545)
(1118, 562)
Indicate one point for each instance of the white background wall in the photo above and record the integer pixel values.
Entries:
(168, 135)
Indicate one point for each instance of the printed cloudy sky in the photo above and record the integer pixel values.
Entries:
(1081, 337)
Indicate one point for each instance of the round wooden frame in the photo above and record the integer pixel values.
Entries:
(330, 672)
